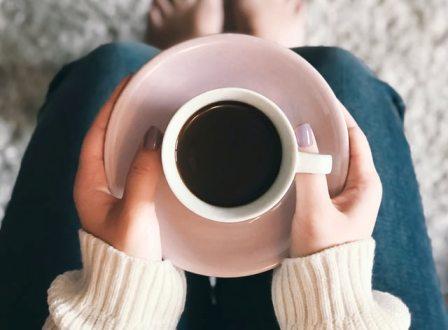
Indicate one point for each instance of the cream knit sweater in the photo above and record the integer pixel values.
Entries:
(328, 290)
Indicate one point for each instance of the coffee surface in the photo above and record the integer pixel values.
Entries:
(228, 153)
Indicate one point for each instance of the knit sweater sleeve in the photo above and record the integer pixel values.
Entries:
(116, 291)
(333, 290)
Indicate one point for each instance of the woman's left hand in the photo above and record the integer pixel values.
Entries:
(128, 224)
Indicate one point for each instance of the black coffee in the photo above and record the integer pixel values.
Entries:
(228, 153)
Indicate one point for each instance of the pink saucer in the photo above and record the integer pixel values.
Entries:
(176, 75)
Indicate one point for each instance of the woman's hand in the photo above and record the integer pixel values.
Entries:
(321, 222)
(128, 224)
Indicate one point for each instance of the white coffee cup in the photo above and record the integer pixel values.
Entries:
(293, 161)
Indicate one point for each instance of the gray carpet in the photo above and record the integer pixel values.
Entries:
(404, 41)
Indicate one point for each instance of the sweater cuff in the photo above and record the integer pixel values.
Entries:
(116, 289)
(326, 287)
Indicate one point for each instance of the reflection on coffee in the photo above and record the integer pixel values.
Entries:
(228, 153)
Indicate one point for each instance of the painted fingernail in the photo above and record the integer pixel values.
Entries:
(152, 139)
(304, 135)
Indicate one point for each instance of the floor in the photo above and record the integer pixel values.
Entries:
(404, 41)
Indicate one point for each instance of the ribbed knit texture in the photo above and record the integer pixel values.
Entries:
(332, 290)
(115, 291)
(327, 290)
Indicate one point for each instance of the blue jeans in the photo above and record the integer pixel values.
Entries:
(38, 239)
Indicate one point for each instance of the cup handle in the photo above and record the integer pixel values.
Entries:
(313, 163)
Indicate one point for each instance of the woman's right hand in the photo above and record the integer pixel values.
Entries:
(321, 222)
(128, 224)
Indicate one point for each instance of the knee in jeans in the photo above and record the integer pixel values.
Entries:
(117, 51)
(340, 57)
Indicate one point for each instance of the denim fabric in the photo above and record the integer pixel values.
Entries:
(38, 239)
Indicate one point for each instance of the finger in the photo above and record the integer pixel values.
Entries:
(311, 189)
(363, 188)
(298, 6)
(165, 6)
(145, 171)
(361, 165)
(349, 120)
(155, 17)
(92, 150)
(91, 164)
(361, 160)
(182, 3)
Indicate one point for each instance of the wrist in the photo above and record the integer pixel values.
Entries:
(304, 248)
(115, 286)
(332, 283)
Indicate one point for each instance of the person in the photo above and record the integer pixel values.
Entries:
(112, 279)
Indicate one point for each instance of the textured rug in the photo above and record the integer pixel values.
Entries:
(404, 41)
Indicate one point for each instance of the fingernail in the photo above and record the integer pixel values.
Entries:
(304, 135)
(152, 139)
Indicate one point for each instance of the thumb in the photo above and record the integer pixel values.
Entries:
(311, 189)
(145, 170)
